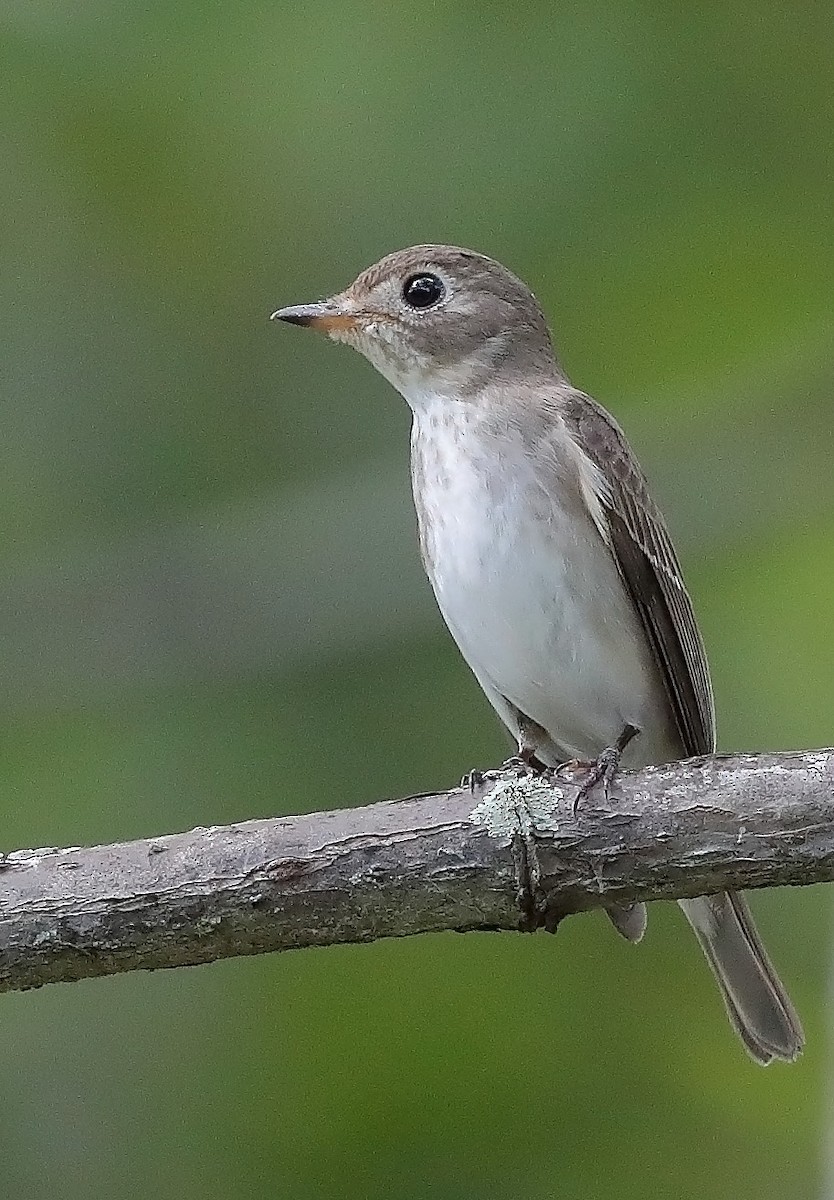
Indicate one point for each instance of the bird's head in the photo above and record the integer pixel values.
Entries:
(435, 319)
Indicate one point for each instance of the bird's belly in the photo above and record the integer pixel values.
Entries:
(540, 614)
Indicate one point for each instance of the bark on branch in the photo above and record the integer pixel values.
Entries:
(510, 855)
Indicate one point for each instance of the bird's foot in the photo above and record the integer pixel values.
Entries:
(517, 765)
(522, 764)
(473, 779)
(603, 769)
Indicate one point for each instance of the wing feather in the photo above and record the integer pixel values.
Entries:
(650, 570)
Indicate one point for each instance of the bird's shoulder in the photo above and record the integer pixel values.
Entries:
(623, 487)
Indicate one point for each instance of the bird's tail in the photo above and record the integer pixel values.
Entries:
(757, 1004)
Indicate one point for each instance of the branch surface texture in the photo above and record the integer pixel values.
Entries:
(509, 854)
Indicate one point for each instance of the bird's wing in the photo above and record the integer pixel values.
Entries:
(637, 535)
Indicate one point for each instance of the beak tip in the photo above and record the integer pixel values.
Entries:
(293, 316)
(324, 315)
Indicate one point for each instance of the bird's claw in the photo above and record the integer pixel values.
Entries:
(517, 764)
(602, 770)
(472, 780)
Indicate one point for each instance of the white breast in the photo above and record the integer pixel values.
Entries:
(529, 590)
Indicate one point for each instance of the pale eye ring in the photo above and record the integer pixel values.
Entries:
(423, 291)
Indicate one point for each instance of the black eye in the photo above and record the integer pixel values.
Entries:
(422, 291)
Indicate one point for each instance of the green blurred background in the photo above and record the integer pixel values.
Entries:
(211, 606)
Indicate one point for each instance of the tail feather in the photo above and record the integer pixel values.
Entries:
(628, 919)
(757, 1004)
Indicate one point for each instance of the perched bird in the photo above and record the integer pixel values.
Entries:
(550, 562)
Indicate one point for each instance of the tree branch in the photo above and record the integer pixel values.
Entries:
(508, 855)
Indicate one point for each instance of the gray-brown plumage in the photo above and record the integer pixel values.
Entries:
(549, 560)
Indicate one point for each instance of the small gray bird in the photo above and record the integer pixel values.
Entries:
(549, 560)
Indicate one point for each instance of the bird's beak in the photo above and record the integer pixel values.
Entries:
(327, 315)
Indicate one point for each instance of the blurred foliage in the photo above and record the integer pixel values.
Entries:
(172, 172)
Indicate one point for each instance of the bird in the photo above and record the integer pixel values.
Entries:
(550, 562)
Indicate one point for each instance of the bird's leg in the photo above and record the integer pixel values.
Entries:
(525, 761)
(529, 737)
(605, 767)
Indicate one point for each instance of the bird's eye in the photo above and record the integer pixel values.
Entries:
(423, 291)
